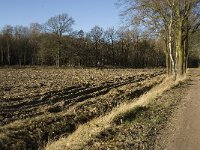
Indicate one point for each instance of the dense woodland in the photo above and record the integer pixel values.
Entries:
(174, 41)
(37, 45)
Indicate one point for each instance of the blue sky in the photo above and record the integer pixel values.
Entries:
(86, 13)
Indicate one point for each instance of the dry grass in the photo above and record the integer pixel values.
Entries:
(88, 131)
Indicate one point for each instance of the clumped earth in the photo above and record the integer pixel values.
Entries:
(41, 105)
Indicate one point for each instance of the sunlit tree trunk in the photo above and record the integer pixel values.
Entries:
(180, 48)
(167, 58)
(172, 59)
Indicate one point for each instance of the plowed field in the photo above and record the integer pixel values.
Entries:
(40, 105)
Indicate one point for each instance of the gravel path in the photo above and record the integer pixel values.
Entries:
(183, 131)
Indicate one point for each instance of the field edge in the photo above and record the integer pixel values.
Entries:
(85, 133)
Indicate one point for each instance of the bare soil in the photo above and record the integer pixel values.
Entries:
(170, 121)
(40, 105)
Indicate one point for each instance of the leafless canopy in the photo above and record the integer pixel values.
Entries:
(60, 24)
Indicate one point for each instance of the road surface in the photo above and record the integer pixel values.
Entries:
(184, 129)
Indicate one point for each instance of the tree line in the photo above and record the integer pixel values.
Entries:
(55, 43)
(160, 33)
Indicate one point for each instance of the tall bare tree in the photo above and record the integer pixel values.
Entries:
(36, 30)
(110, 34)
(170, 16)
(96, 34)
(8, 34)
(59, 25)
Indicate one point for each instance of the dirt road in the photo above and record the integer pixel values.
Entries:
(183, 132)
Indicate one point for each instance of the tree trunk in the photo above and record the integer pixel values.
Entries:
(8, 53)
(58, 58)
(186, 45)
(33, 57)
(24, 59)
(168, 64)
(171, 48)
(113, 54)
(180, 49)
(186, 48)
(96, 55)
(122, 53)
(2, 58)
(20, 60)
(167, 58)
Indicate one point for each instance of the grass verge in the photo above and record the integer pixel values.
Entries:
(139, 118)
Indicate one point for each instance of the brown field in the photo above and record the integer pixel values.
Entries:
(41, 105)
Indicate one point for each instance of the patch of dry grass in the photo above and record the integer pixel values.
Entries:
(88, 131)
